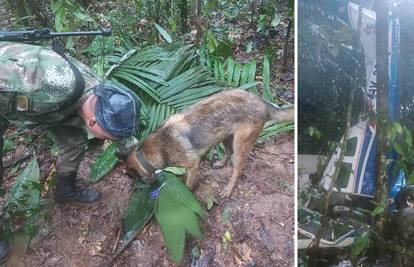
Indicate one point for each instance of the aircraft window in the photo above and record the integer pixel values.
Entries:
(351, 147)
(343, 176)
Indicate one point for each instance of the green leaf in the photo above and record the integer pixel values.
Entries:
(220, 151)
(216, 69)
(139, 210)
(411, 177)
(244, 74)
(274, 129)
(163, 33)
(361, 245)
(170, 218)
(378, 210)
(103, 164)
(23, 189)
(236, 74)
(266, 79)
(8, 146)
(175, 220)
(399, 149)
(230, 70)
(248, 85)
(276, 20)
(176, 170)
(177, 191)
(252, 71)
(398, 128)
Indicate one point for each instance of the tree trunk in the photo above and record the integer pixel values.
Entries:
(198, 22)
(382, 11)
(183, 11)
(19, 10)
(286, 46)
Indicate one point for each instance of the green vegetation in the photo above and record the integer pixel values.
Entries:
(172, 54)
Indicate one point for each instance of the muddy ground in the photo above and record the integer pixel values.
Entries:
(259, 216)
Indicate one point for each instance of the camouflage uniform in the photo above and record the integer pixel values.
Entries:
(34, 84)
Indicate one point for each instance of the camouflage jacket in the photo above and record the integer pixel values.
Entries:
(45, 79)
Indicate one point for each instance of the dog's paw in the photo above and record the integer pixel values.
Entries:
(226, 193)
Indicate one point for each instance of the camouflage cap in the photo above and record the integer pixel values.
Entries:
(117, 109)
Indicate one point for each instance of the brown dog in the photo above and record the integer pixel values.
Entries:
(234, 117)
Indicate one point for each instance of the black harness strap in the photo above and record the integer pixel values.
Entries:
(148, 168)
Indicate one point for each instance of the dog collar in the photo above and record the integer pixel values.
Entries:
(148, 168)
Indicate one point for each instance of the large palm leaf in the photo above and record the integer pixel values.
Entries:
(166, 81)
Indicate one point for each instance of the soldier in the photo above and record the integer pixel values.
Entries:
(43, 87)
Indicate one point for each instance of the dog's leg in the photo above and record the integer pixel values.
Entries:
(228, 151)
(243, 144)
(192, 175)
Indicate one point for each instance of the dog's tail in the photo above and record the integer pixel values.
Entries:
(279, 114)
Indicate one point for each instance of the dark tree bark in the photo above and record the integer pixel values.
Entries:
(19, 10)
(286, 46)
(84, 3)
(198, 22)
(183, 11)
(382, 10)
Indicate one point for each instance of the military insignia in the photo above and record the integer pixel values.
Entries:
(22, 103)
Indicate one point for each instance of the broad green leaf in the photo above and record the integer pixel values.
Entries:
(163, 33)
(103, 164)
(216, 69)
(244, 74)
(169, 216)
(175, 220)
(236, 74)
(361, 245)
(230, 70)
(252, 71)
(176, 170)
(274, 129)
(248, 85)
(177, 191)
(139, 210)
(23, 188)
(267, 94)
(220, 151)
(221, 71)
(252, 76)
(7, 146)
